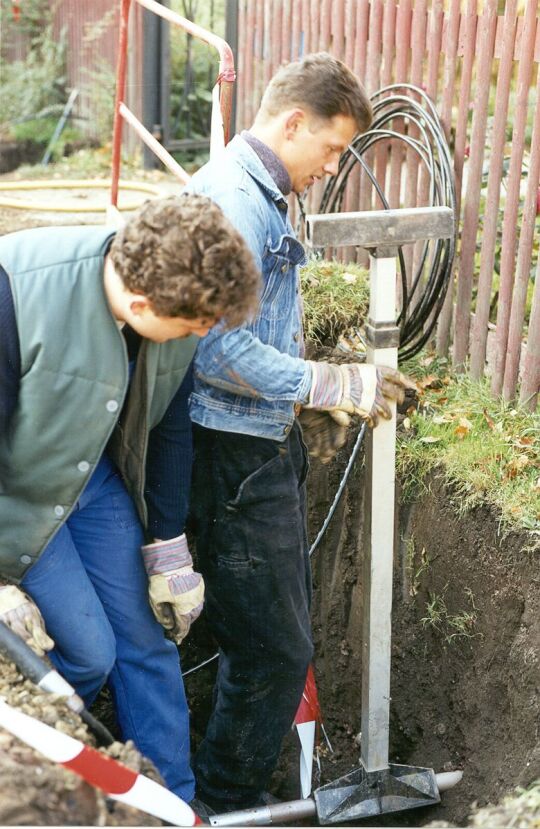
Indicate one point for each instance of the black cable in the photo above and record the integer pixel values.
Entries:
(422, 295)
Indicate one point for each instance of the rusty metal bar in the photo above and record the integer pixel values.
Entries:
(526, 236)
(479, 328)
(120, 92)
(509, 230)
(486, 42)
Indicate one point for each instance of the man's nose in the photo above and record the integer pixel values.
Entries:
(331, 167)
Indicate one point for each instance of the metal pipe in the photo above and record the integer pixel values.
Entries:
(300, 809)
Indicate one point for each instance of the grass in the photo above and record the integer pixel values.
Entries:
(452, 626)
(336, 300)
(488, 450)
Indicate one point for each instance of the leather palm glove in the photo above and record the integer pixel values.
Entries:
(324, 433)
(175, 591)
(357, 388)
(18, 612)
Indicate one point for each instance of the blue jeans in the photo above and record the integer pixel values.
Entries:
(248, 501)
(92, 590)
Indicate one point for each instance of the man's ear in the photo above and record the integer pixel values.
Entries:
(139, 306)
(294, 120)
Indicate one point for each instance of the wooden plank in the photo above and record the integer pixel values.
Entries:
(479, 329)
(388, 40)
(380, 228)
(362, 33)
(325, 27)
(526, 236)
(403, 37)
(487, 25)
(531, 367)
(418, 48)
(510, 220)
(350, 32)
(338, 28)
(450, 39)
(296, 29)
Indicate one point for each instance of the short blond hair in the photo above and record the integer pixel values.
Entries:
(322, 84)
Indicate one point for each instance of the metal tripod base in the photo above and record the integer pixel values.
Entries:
(361, 793)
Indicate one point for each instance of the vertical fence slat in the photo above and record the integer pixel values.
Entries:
(450, 44)
(402, 45)
(296, 26)
(362, 31)
(479, 330)
(350, 32)
(276, 36)
(509, 231)
(338, 28)
(286, 32)
(324, 31)
(418, 48)
(531, 366)
(519, 297)
(468, 32)
(388, 38)
(486, 43)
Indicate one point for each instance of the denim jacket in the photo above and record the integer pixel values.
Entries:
(248, 379)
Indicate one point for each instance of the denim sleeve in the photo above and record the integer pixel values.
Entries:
(10, 357)
(168, 467)
(238, 361)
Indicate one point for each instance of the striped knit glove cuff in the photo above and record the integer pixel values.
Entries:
(176, 592)
(353, 388)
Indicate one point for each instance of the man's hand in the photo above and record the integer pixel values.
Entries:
(324, 433)
(175, 591)
(18, 612)
(357, 388)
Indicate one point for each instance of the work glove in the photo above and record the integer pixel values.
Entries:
(175, 591)
(357, 388)
(324, 433)
(18, 612)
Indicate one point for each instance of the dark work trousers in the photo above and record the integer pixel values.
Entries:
(249, 504)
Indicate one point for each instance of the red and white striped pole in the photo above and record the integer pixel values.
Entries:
(113, 778)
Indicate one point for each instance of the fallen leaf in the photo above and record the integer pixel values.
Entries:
(516, 465)
(429, 439)
(438, 419)
(429, 382)
(350, 278)
(407, 423)
(463, 428)
(489, 421)
(524, 441)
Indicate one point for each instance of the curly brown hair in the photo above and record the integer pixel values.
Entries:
(188, 260)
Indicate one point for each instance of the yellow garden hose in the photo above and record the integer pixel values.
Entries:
(71, 184)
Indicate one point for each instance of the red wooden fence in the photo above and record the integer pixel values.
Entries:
(481, 69)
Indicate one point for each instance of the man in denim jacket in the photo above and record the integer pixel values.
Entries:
(248, 496)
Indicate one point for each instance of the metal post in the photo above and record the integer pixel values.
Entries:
(377, 787)
(382, 338)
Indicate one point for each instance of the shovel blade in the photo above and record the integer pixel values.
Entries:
(362, 794)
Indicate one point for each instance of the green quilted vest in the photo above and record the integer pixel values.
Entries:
(73, 397)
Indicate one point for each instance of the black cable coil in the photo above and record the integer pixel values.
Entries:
(423, 301)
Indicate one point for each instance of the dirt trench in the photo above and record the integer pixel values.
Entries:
(465, 644)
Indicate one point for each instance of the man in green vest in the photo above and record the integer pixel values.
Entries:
(97, 332)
